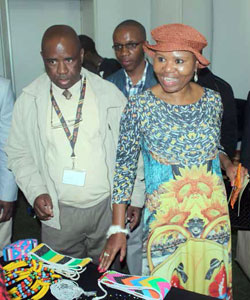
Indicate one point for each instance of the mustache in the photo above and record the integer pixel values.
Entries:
(62, 77)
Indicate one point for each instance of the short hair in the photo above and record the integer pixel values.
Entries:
(134, 23)
(87, 43)
(59, 31)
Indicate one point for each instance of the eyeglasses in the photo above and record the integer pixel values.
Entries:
(56, 125)
(70, 123)
(129, 46)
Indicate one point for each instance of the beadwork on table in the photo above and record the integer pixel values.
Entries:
(28, 279)
(32, 277)
(3, 291)
(19, 249)
(68, 290)
(143, 287)
(44, 253)
(65, 265)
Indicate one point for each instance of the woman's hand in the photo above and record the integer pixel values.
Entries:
(231, 169)
(116, 242)
(231, 172)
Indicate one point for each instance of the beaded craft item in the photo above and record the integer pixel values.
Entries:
(65, 265)
(144, 287)
(18, 249)
(28, 279)
(68, 290)
(3, 292)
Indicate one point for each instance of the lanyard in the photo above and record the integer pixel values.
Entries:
(71, 137)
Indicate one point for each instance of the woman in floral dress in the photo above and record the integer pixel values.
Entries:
(176, 124)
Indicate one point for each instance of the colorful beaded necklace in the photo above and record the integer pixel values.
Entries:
(30, 279)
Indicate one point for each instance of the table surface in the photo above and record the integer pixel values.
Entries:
(91, 275)
(88, 281)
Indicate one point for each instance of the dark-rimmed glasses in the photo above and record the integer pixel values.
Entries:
(128, 46)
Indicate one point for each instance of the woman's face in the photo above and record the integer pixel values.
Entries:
(175, 69)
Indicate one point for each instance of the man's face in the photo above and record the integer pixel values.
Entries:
(128, 42)
(62, 59)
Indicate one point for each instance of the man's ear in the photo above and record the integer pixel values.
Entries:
(41, 52)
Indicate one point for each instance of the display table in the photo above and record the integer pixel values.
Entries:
(88, 281)
(89, 278)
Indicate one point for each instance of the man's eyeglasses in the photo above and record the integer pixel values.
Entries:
(128, 46)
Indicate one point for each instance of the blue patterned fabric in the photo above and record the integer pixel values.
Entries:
(182, 135)
(186, 233)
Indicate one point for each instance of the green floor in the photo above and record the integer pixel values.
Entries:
(27, 227)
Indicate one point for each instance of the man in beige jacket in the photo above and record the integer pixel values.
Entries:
(62, 147)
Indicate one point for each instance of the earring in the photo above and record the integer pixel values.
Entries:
(195, 76)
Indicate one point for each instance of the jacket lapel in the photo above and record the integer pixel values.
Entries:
(40, 91)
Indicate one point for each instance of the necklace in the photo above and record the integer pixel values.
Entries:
(28, 278)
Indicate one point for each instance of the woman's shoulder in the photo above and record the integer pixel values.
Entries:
(212, 96)
(212, 99)
(143, 97)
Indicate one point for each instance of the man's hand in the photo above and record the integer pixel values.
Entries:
(43, 207)
(6, 210)
(133, 216)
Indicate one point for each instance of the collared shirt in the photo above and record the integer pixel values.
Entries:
(138, 87)
(88, 149)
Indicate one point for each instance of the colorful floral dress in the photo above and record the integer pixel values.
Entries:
(187, 237)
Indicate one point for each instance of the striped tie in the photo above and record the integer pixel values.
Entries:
(67, 94)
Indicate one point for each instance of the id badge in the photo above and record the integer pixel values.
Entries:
(74, 177)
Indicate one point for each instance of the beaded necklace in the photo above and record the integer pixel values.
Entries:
(30, 279)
